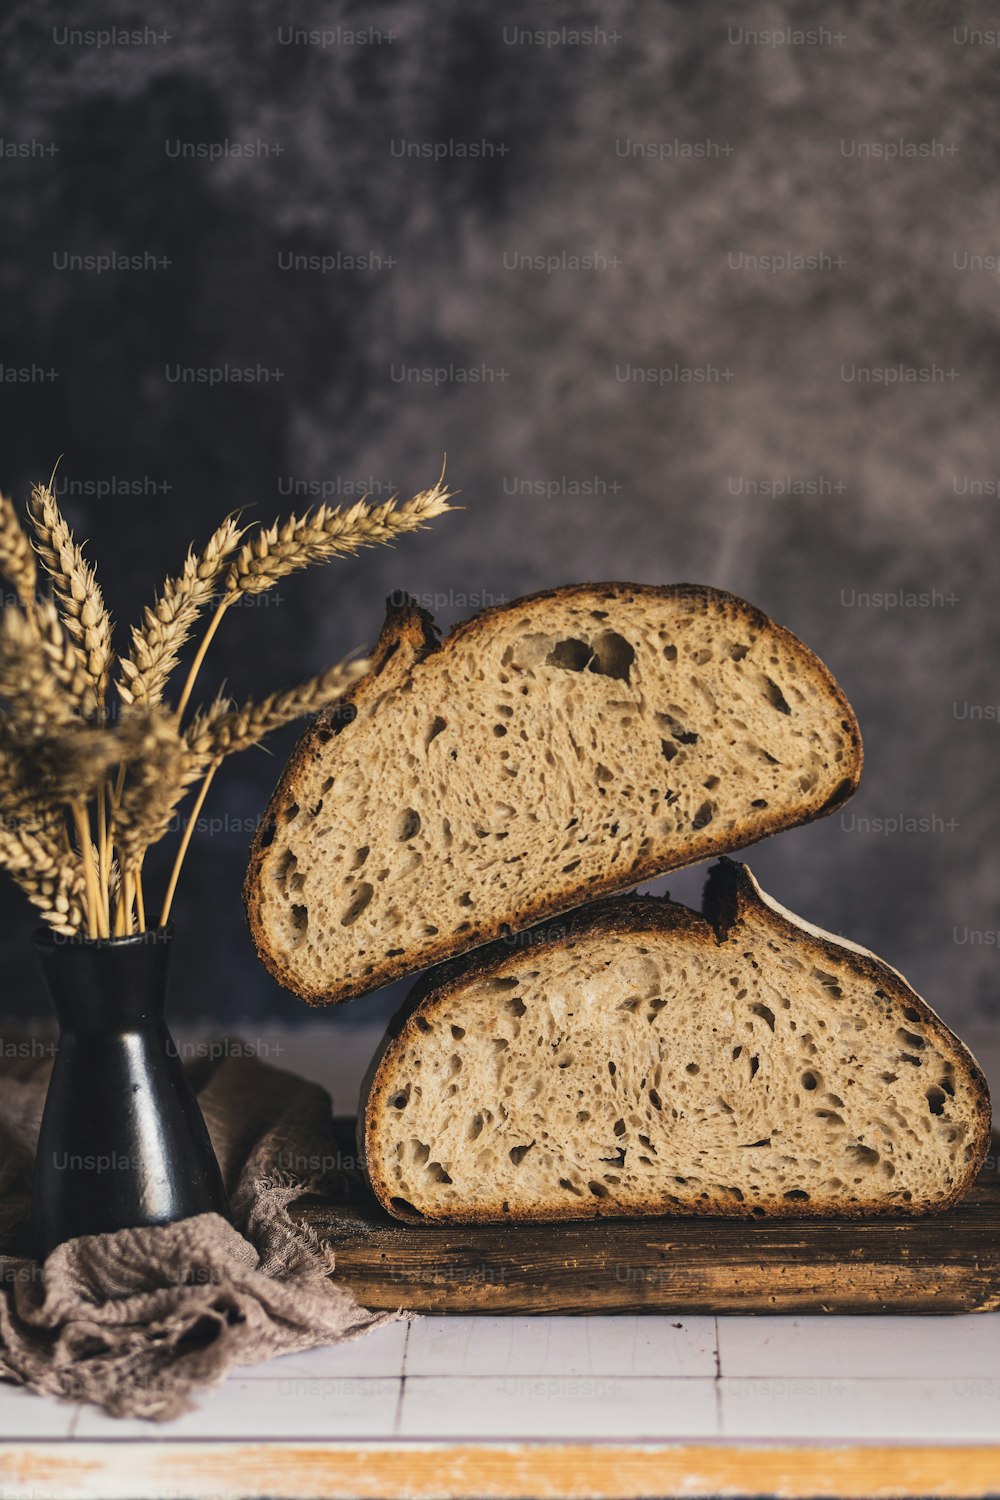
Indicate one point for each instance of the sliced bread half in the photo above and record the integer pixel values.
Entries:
(639, 1058)
(551, 750)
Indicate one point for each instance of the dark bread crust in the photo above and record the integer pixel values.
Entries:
(733, 902)
(408, 637)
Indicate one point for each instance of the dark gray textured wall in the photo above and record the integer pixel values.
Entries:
(669, 150)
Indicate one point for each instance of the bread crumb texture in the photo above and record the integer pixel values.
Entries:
(661, 1070)
(555, 749)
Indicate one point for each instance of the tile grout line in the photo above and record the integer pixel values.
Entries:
(398, 1417)
(718, 1379)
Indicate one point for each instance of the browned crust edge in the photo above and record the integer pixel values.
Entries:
(631, 916)
(407, 624)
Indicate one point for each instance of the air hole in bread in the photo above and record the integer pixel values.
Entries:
(809, 1081)
(291, 812)
(405, 1209)
(676, 729)
(564, 1182)
(655, 1100)
(518, 1153)
(360, 855)
(754, 1065)
(667, 749)
(458, 1032)
(765, 1012)
(692, 1067)
(619, 1127)
(407, 825)
(830, 1116)
(670, 653)
(935, 1100)
(300, 919)
(863, 1156)
(738, 652)
(910, 1040)
(889, 1077)
(434, 729)
(948, 1084)
(759, 802)
(598, 1189)
(572, 654)
(703, 816)
(797, 1195)
(829, 982)
(362, 895)
(775, 696)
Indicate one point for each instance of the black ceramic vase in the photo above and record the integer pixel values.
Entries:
(123, 1142)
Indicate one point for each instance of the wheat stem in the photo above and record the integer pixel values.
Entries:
(140, 900)
(128, 886)
(185, 841)
(206, 641)
(103, 848)
(87, 854)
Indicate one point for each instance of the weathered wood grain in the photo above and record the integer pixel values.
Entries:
(947, 1263)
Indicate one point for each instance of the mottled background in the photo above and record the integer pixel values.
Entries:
(667, 150)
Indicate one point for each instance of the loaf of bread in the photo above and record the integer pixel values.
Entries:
(551, 750)
(639, 1058)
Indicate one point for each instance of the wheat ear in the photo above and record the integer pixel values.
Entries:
(51, 880)
(167, 625)
(276, 551)
(17, 560)
(75, 585)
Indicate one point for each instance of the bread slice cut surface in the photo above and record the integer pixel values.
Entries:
(641, 1059)
(552, 750)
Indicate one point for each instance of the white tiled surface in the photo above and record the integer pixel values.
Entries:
(653, 1345)
(917, 1410)
(589, 1407)
(287, 1408)
(868, 1347)
(657, 1378)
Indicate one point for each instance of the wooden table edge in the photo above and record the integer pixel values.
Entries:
(66, 1469)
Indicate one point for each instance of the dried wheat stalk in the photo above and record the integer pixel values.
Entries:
(223, 728)
(58, 746)
(322, 534)
(75, 586)
(52, 879)
(157, 643)
(17, 560)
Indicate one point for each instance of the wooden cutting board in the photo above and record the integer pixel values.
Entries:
(947, 1263)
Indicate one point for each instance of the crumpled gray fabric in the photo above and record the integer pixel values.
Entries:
(137, 1321)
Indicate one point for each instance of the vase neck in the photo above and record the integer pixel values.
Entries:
(117, 984)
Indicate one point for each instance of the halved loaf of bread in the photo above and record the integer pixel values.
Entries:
(551, 750)
(639, 1058)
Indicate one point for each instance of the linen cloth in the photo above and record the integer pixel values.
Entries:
(138, 1320)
